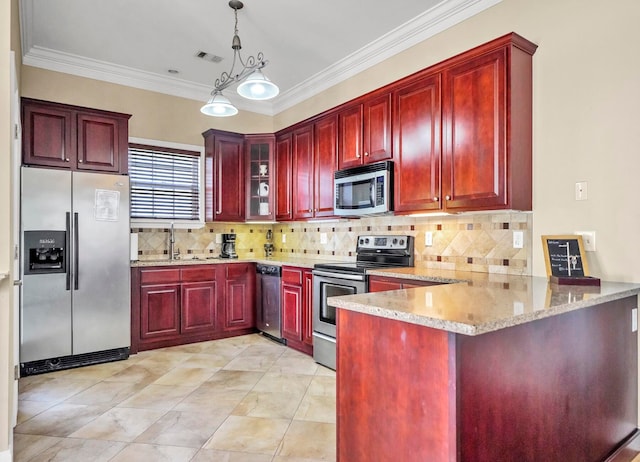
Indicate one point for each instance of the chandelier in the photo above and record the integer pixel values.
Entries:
(254, 84)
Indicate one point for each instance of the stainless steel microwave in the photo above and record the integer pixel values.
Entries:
(364, 190)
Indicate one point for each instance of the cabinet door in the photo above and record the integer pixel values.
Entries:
(474, 118)
(199, 307)
(283, 177)
(98, 143)
(239, 296)
(377, 284)
(302, 199)
(417, 145)
(159, 311)
(307, 306)
(259, 167)
(324, 166)
(350, 137)
(49, 136)
(228, 178)
(292, 302)
(377, 129)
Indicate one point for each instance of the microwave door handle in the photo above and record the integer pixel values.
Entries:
(372, 192)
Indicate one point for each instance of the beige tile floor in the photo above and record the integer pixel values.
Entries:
(244, 399)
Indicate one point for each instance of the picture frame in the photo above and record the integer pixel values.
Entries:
(565, 260)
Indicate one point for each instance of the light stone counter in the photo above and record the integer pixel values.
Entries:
(278, 261)
(477, 303)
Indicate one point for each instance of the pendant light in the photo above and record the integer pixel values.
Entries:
(254, 84)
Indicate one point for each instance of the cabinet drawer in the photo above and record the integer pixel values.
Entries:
(238, 270)
(292, 276)
(199, 273)
(159, 275)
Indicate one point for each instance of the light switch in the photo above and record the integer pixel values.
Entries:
(428, 239)
(581, 191)
(518, 239)
(284, 238)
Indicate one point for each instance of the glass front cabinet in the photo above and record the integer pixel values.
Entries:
(260, 168)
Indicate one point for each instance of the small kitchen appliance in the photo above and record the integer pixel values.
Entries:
(268, 309)
(364, 190)
(268, 247)
(335, 279)
(228, 246)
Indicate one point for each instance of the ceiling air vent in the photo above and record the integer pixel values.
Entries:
(208, 56)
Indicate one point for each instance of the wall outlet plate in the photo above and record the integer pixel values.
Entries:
(518, 239)
(284, 238)
(588, 240)
(218, 238)
(323, 238)
(428, 239)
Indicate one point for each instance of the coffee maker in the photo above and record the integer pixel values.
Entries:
(268, 247)
(228, 246)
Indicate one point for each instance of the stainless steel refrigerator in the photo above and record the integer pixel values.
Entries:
(75, 306)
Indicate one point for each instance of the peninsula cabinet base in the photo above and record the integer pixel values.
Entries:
(563, 388)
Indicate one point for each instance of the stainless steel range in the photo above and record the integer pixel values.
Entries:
(334, 279)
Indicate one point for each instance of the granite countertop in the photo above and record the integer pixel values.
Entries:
(278, 261)
(477, 303)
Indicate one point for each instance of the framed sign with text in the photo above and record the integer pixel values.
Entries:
(565, 260)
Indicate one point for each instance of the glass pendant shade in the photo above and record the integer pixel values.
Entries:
(219, 106)
(258, 87)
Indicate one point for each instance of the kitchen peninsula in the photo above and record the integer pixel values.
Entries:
(487, 368)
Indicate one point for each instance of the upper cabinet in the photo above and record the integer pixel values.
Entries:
(481, 103)
(364, 132)
(74, 138)
(284, 177)
(224, 176)
(259, 166)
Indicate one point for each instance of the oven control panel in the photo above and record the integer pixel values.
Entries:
(384, 242)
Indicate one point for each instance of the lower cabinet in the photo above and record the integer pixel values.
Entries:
(185, 304)
(382, 283)
(297, 296)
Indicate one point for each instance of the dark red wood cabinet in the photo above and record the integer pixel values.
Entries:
(417, 145)
(383, 283)
(364, 132)
(562, 388)
(76, 138)
(296, 308)
(190, 303)
(260, 177)
(224, 176)
(239, 297)
(284, 177)
(324, 165)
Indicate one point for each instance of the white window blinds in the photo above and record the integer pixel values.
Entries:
(164, 183)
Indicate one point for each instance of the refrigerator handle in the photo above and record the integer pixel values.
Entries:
(76, 251)
(67, 250)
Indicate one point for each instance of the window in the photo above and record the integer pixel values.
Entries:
(165, 183)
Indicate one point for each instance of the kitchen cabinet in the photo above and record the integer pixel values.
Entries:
(239, 297)
(284, 177)
(75, 138)
(417, 145)
(364, 132)
(260, 166)
(314, 162)
(383, 283)
(173, 305)
(224, 176)
(297, 291)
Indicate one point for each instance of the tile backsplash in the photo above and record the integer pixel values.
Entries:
(480, 242)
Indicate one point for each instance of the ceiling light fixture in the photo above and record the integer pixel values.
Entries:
(253, 83)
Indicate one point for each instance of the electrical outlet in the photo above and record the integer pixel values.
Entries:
(428, 239)
(581, 191)
(323, 238)
(284, 238)
(518, 239)
(218, 238)
(588, 240)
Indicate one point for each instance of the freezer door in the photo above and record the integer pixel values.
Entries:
(45, 313)
(101, 296)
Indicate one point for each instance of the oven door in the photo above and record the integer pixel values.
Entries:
(329, 284)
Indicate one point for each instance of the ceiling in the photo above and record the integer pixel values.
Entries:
(310, 44)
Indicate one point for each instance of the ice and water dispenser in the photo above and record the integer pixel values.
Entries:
(45, 252)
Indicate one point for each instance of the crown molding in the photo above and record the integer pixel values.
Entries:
(437, 19)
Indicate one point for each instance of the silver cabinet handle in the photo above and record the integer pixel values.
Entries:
(436, 199)
(366, 154)
(79, 161)
(447, 197)
(67, 159)
(357, 155)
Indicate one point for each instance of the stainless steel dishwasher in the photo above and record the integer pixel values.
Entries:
(268, 309)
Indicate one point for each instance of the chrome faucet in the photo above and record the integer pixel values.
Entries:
(173, 255)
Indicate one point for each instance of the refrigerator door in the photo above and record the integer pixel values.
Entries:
(45, 314)
(101, 278)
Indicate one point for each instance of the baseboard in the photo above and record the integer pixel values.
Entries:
(5, 456)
